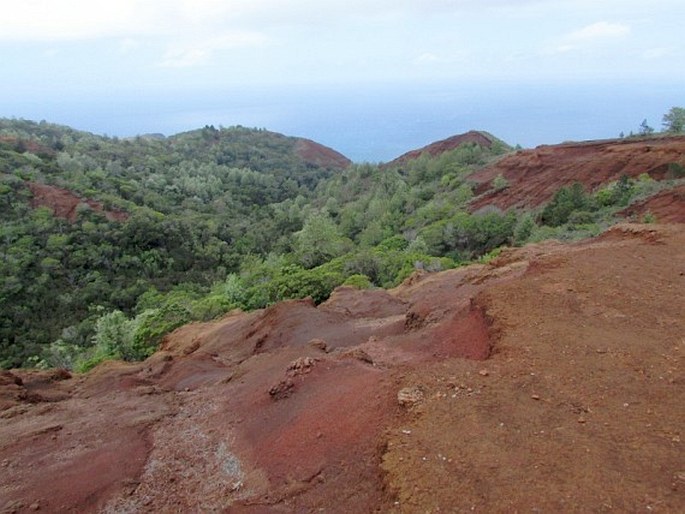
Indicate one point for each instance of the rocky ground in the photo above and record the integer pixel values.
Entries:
(549, 380)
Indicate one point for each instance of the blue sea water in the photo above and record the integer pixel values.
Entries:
(372, 123)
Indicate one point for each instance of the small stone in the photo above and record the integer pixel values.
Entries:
(581, 420)
(483, 372)
(320, 344)
(301, 366)
(535, 396)
(34, 506)
(410, 396)
(283, 389)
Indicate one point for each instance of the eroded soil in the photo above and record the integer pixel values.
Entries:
(64, 203)
(549, 380)
(534, 176)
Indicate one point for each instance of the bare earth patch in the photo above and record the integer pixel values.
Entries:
(549, 380)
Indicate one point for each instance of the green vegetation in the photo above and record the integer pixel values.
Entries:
(230, 218)
(673, 123)
(674, 120)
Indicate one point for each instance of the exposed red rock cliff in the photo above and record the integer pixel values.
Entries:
(535, 175)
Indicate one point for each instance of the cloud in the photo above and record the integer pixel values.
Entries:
(657, 53)
(588, 36)
(64, 20)
(427, 58)
(44, 20)
(200, 52)
(599, 30)
(128, 45)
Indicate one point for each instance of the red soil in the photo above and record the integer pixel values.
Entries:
(666, 206)
(442, 146)
(64, 203)
(320, 155)
(551, 379)
(27, 145)
(535, 175)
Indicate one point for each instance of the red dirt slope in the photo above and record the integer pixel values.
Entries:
(63, 202)
(551, 379)
(320, 155)
(535, 175)
(444, 145)
(666, 206)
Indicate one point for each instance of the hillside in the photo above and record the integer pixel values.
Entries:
(91, 223)
(533, 176)
(110, 244)
(445, 145)
(232, 319)
(549, 379)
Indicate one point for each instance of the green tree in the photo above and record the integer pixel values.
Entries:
(674, 120)
(565, 201)
(645, 129)
(318, 241)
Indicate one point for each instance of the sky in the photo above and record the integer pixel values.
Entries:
(371, 78)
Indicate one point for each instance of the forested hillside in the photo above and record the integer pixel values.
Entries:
(108, 244)
(190, 208)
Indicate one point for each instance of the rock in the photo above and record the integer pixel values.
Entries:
(59, 374)
(535, 396)
(301, 366)
(360, 355)
(320, 344)
(483, 372)
(282, 390)
(414, 320)
(410, 396)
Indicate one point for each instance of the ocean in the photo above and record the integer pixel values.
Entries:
(372, 123)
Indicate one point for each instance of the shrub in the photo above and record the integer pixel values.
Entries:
(358, 281)
(580, 218)
(565, 201)
(499, 182)
(648, 218)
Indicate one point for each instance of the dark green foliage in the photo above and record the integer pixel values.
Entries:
(466, 236)
(565, 201)
(217, 219)
(676, 170)
(198, 203)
